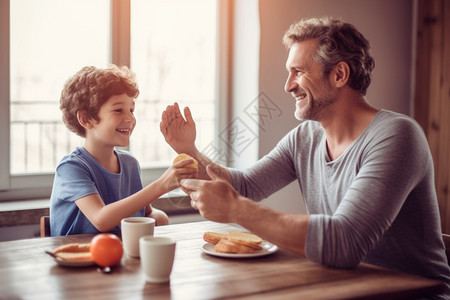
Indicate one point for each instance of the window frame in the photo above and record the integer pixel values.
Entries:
(38, 186)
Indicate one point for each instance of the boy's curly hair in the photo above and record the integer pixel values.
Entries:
(90, 88)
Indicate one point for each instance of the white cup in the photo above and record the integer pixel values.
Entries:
(157, 255)
(133, 228)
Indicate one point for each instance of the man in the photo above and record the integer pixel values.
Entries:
(366, 175)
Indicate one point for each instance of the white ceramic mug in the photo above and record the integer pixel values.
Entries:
(157, 256)
(133, 228)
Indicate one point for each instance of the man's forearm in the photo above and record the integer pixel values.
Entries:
(288, 231)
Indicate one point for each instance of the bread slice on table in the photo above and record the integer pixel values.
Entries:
(75, 256)
(233, 241)
(227, 246)
(74, 252)
(214, 237)
(245, 238)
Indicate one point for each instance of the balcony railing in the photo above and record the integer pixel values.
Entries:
(37, 146)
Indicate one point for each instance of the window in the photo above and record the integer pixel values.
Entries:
(48, 45)
(171, 45)
(173, 53)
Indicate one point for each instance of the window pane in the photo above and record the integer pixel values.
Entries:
(50, 41)
(173, 53)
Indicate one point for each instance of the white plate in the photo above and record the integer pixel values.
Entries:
(70, 263)
(267, 249)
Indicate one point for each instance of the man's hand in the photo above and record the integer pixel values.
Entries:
(216, 199)
(178, 132)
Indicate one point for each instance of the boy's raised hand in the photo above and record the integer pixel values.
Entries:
(179, 133)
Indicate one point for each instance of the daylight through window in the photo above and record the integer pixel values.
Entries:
(172, 52)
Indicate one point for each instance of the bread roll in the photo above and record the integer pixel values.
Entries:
(183, 156)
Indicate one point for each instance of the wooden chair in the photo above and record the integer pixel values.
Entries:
(446, 238)
(45, 226)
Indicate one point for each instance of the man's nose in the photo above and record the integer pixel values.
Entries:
(290, 85)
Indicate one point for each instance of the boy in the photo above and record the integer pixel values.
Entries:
(97, 185)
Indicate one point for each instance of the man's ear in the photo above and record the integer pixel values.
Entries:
(341, 74)
(84, 119)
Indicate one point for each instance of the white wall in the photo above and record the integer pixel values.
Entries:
(386, 24)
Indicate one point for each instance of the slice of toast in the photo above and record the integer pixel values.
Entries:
(227, 246)
(75, 256)
(74, 252)
(233, 241)
(245, 238)
(73, 247)
(214, 237)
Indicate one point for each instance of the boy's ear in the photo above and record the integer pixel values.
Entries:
(341, 74)
(84, 119)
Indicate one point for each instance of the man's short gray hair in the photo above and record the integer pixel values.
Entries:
(337, 41)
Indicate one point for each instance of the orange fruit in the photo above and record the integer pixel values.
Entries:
(106, 249)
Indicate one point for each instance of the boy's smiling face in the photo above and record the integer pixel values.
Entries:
(116, 122)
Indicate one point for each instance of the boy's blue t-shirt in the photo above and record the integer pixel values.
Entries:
(79, 174)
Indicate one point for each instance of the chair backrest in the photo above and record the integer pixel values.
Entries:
(446, 238)
(45, 226)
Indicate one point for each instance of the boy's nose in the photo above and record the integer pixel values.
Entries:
(130, 118)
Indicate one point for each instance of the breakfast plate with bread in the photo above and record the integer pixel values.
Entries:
(235, 244)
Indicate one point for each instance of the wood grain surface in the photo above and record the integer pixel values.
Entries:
(26, 272)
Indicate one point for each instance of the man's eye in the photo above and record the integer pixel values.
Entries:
(296, 73)
(118, 110)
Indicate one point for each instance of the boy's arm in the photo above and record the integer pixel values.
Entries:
(105, 217)
(160, 216)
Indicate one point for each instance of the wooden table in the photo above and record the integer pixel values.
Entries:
(26, 272)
